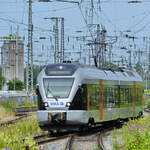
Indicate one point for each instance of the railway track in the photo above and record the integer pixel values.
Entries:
(24, 110)
(88, 142)
(147, 110)
(90, 139)
(13, 120)
(20, 113)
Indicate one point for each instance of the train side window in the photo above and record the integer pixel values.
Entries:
(116, 96)
(84, 95)
(124, 95)
(130, 95)
(104, 96)
(121, 96)
(94, 96)
(127, 95)
(80, 99)
(137, 100)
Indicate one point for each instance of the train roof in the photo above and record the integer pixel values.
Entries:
(91, 72)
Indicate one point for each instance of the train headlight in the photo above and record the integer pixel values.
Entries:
(46, 104)
(68, 104)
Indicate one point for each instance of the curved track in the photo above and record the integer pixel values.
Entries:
(20, 113)
(13, 121)
(87, 142)
(89, 139)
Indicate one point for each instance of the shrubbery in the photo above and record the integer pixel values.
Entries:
(9, 105)
(148, 104)
(135, 135)
(11, 136)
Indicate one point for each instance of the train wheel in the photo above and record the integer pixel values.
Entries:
(81, 129)
(91, 122)
(51, 132)
(140, 114)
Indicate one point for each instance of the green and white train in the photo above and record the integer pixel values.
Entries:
(72, 95)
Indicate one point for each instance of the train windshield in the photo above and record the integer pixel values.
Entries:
(58, 87)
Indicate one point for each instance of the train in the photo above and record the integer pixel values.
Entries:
(75, 95)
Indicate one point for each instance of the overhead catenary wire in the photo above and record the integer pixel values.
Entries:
(17, 22)
(140, 21)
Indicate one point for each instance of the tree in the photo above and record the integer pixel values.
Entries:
(36, 71)
(109, 65)
(2, 79)
(139, 69)
(15, 84)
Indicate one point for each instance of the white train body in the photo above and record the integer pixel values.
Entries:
(70, 95)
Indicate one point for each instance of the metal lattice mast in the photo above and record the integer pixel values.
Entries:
(91, 13)
(29, 71)
(62, 40)
(56, 53)
(17, 53)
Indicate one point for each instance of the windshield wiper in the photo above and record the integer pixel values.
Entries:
(51, 93)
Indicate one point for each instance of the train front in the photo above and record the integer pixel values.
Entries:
(57, 87)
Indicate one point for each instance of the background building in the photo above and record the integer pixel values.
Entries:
(12, 59)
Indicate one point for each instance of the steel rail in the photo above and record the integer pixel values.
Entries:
(50, 139)
(69, 143)
(100, 141)
(13, 121)
(25, 109)
(147, 110)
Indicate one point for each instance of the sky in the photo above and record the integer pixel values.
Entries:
(118, 17)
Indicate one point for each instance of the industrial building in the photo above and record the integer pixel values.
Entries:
(12, 59)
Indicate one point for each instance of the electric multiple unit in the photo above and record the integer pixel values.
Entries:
(72, 95)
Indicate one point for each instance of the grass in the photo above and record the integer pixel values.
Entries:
(27, 103)
(5, 115)
(11, 136)
(135, 135)
(147, 91)
(9, 105)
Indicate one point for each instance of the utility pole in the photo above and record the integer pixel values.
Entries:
(149, 58)
(62, 40)
(130, 59)
(56, 52)
(98, 49)
(59, 50)
(17, 52)
(29, 68)
(91, 12)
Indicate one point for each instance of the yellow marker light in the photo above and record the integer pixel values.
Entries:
(61, 116)
(49, 116)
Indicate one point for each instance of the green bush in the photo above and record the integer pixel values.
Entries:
(135, 135)
(9, 105)
(11, 136)
(148, 104)
(15, 84)
(28, 103)
(146, 91)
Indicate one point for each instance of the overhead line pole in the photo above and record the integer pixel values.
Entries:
(29, 69)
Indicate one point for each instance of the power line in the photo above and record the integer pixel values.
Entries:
(16, 22)
(146, 25)
(140, 21)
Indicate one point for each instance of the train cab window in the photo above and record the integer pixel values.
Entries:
(58, 87)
